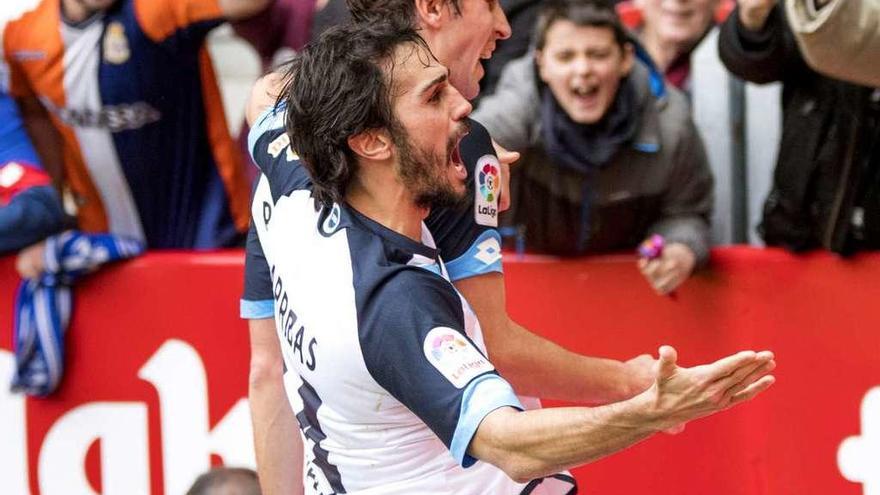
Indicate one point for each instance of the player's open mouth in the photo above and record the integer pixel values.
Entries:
(455, 158)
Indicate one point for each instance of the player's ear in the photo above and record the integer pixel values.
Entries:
(432, 13)
(372, 144)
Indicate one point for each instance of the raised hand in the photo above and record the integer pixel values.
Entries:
(681, 394)
(668, 271)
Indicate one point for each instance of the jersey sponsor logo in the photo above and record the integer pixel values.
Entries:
(454, 356)
(488, 185)
(282, 143)
(488, 251)
(116, 50)
(115, 118)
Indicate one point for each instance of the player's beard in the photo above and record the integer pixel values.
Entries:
(425, 173)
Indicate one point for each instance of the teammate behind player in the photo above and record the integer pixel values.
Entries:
(385, 357)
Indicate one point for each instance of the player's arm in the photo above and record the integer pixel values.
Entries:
(538, 367)
(277, 443)
(532, 444)
(44, 136)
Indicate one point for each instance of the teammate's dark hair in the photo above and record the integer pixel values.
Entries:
(596, 13)
(402, 13)
(243, 480)
(335, 88)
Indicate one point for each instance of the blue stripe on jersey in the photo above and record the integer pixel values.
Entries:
(482, 396)
(484, 256)
(256, 310)
(15, 145)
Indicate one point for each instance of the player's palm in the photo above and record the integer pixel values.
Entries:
(685, 394)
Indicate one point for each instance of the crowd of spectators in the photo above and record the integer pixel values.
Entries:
(123, 108)
(111, 122)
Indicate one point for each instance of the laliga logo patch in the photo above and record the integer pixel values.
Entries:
(116, 49)
(454, 357)
(488, 185)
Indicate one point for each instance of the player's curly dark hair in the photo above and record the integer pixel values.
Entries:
(400, 12)
(337, 87)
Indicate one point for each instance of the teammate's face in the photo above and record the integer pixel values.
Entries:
(468, 38)
(431, 117)
(583, 66)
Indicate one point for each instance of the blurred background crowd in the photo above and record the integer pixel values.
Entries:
(126, 117)
(115, 121)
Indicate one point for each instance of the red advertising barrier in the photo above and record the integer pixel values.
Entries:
(157, 358)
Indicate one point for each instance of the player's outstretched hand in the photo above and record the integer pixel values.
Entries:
(681, 394)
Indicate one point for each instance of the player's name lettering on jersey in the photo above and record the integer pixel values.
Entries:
(288, 320)
(114, 118)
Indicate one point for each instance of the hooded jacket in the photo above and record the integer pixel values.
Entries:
(826, 191)
(656, 183)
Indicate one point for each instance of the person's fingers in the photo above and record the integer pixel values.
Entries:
(24, 265)
(675, 430)
(651, 270)
(728, 365)
(726, 383)
(759, 372)
(666, 363)
(752, 390)
(508, 157)
(504, 194)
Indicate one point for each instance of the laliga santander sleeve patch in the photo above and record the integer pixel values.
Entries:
(454, 356)
(486, 188)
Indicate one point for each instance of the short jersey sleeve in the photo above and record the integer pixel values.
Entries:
(257, 300)
(282, 173)
(467, 235)
(414, 345)
(162, 19)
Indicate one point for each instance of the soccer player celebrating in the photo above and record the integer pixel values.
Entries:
(388, 375)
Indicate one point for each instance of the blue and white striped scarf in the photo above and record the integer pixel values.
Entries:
(43, 305)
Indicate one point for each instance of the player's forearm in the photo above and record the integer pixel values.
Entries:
(538, 367)
(277, 442)
(533, 444)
